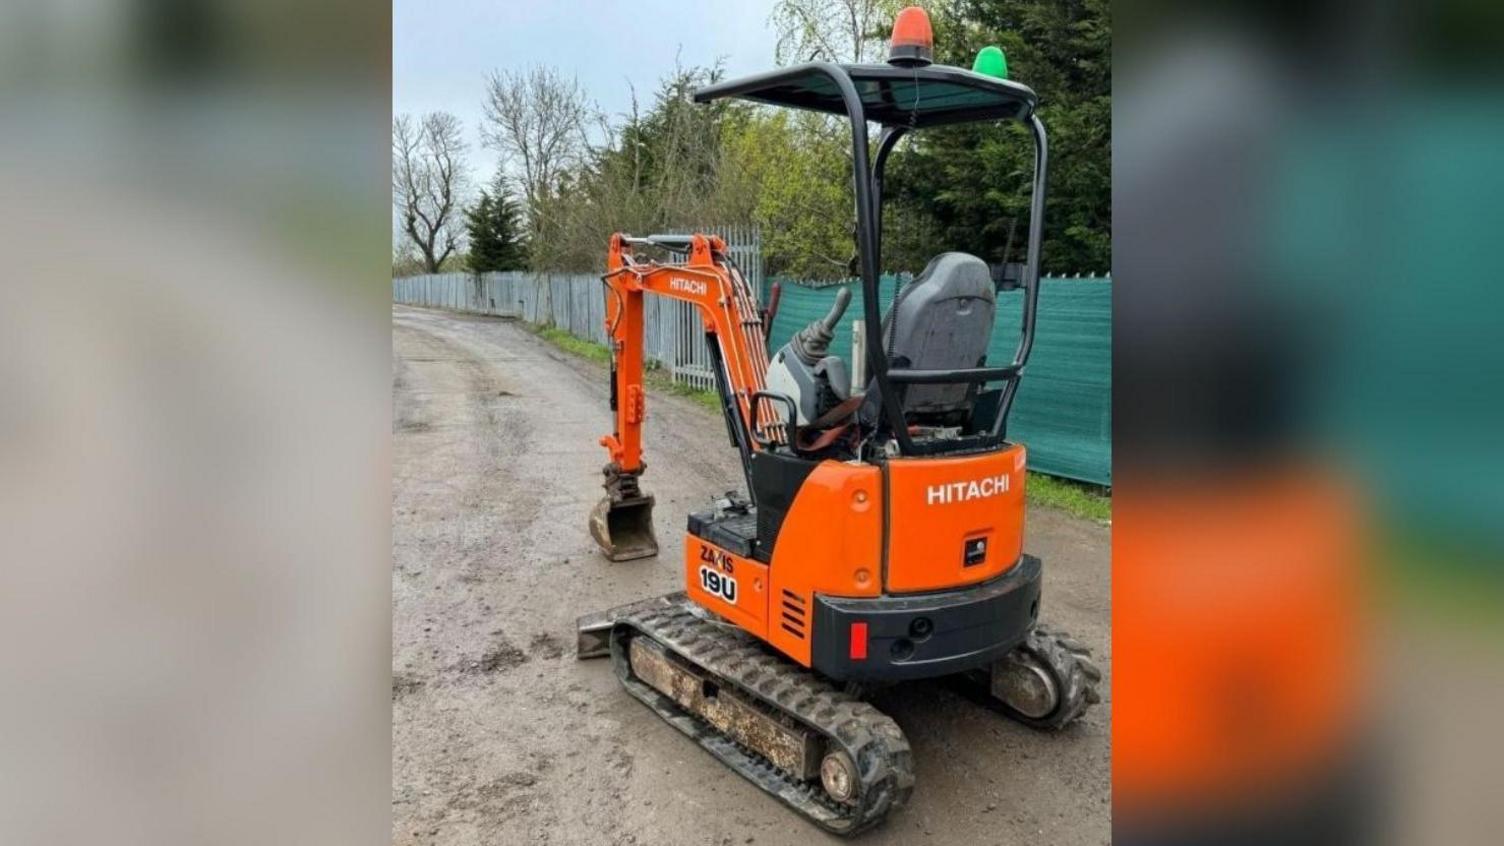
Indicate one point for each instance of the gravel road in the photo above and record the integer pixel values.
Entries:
(499, 736)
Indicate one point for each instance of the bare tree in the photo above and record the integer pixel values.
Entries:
(428, 183)
(828, 30)
(536, 119)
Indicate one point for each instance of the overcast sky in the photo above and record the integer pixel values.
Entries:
(442, 50)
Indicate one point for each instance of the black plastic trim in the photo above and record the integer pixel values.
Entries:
(776, 478)
(734, 533)
(970, 628)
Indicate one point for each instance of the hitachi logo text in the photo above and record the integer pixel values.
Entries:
(689, 286)
(962, 491)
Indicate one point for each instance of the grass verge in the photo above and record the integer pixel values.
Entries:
(655, 377)
(1078, 499)
(1075, 498)
(570, 344)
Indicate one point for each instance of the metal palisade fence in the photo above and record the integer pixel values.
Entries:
(575, 302)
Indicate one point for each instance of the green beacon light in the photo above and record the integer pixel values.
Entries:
(990, 62)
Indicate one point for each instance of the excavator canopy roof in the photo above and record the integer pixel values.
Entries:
(893, 96)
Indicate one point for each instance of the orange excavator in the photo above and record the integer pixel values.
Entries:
(880, 538)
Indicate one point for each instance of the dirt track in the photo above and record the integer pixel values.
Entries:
(500, 736)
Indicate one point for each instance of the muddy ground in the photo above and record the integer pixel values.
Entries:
(499, 736)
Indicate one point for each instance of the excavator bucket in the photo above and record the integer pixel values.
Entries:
(623, 526)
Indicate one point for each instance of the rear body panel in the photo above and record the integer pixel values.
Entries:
(953, 521)
(831, 542)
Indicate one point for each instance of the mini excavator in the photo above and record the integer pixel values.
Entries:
(880, 538)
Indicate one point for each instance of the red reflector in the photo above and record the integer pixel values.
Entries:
(858, 641)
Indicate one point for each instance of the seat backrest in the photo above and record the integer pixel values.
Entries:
(941, 320)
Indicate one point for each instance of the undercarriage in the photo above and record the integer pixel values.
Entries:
(834, 759)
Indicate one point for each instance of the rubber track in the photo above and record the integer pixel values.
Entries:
(1068, 660)
(868, 736)
(1076, 676)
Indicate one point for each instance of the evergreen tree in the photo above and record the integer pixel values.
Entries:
(477, 227)
(495, 243)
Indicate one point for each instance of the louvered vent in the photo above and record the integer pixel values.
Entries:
(793, 614)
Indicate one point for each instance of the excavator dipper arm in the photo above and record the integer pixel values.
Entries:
(622, 522)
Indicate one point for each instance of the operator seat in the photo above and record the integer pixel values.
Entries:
(941, 320)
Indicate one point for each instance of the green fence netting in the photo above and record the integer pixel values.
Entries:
(1063, 413)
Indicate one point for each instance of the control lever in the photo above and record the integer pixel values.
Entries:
(812, 343)
(843, 298)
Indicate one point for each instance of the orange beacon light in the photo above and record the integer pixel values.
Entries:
(913, 42)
